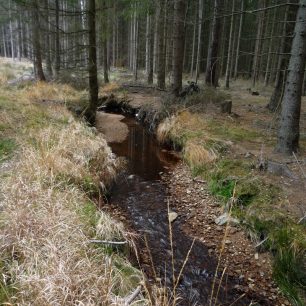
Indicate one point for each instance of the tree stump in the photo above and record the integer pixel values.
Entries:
(226, 107)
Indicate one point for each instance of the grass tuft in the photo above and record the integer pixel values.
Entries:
(7, 146)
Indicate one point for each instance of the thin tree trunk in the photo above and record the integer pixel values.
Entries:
(161, 72)
(230, 46)
(57, 64)
(4, 42)
(18, 39)
(199, 39)
(193, 45)
(135, 46)
(47, 39)
(211, 77)
(178, 44)
(282, 45)
(104, 43)
(36, 42)
(151, 51)
(148, 46)
(267, 72)
(114, 37)
(289, 130)
(11, 33)
(258, 44)
(238, 41)
(92, 63)
(155, 51)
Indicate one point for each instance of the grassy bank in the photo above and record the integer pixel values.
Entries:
(211, 145)
(51, 166)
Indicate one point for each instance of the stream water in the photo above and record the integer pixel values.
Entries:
(142, 195)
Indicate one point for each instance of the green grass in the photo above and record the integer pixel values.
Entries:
(7, 290)
(7, 147)
(257, 207)
(89, 215)
(232, 132)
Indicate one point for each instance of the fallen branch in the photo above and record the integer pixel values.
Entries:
(199, 181)
(261, 242)
(133, 296)
(301, 219)
(108, 242)
(142, 86)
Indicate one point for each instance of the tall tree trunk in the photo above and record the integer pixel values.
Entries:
(199, 39)
(18, 26)
(151, 52)
(57, 64)
(148, 46)
(47, 39)
(135, 45)
(289, 130)
(238, 40)
(105, 61)
(104, 42)
(282, 46)
(193, 44)
(4, 42)
(213, 50)
(258, 43)
(276, 96)
(92, 63)
(11, 33)
(230, 46)
(161, 72)
(155, 51)
(267, 72)
(36, 41)
(178, 44)
(114, 37)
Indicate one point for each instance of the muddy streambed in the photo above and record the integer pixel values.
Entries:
(142, 195)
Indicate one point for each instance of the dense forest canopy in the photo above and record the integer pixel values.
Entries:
(227, 39)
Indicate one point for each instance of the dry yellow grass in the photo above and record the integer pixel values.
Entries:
(45, 229)
(50, 92)
(190, 131)
(197, 154)
(42, 234)
(109, 88)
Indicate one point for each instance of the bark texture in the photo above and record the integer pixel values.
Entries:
(288, 135)
(212, 58)
(161, 62)
(92, 64)
(178, 44)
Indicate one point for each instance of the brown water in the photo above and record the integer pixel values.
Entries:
(142, 196)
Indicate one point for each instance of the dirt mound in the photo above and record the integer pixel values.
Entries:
(112, 127)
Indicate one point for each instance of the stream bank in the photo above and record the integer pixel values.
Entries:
(140, 199)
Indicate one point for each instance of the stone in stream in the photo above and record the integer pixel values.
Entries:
(172, 216)
(226, 218)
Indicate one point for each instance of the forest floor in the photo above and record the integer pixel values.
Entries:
(270, 203)
(220, 157)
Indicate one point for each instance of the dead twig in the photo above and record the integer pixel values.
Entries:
(108, 242)
(133, 296)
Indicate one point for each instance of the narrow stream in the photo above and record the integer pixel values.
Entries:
(142, 196)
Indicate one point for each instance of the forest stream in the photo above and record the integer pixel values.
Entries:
(141, 194)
